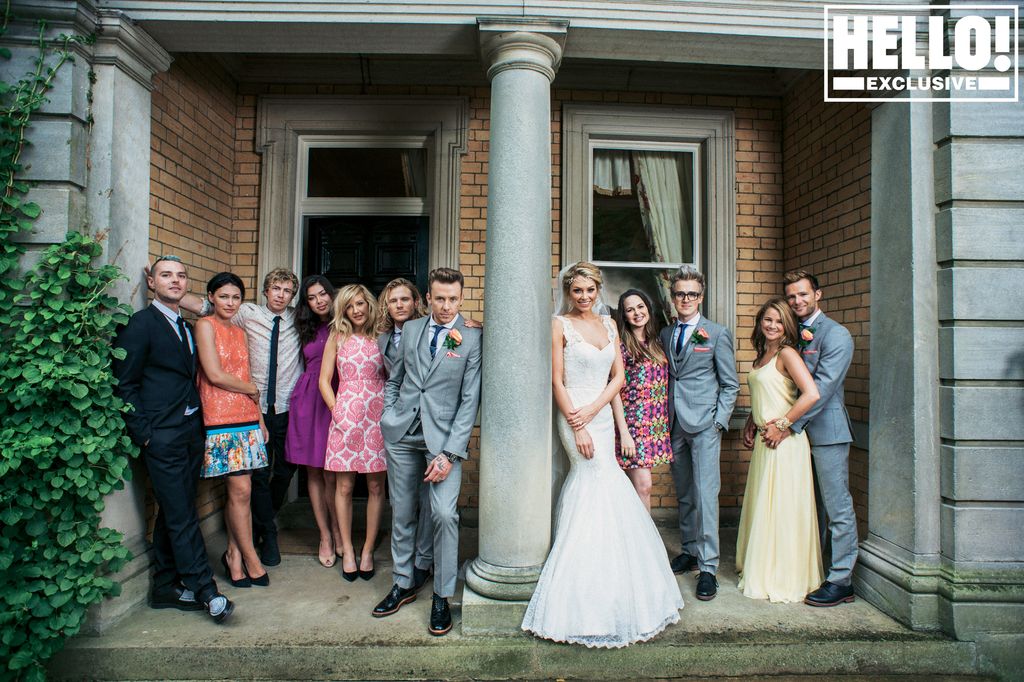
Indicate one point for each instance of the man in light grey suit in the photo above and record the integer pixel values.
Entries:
(702, 393)
(400, 302)
(827, 350)
(430, 406)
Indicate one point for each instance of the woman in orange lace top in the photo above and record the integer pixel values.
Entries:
(235, 433)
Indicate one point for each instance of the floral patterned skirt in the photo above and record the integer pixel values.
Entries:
(233, 447)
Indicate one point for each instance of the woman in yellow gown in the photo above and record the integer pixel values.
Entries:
(778, 554)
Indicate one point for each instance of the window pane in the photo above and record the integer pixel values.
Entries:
(643, 209)
(366, 172)
(652, 281)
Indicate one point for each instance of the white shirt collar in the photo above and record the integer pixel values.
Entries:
(809, 322)
(450, 325)
(170, 314)
(692, 321)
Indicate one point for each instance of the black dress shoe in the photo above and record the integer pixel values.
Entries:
(270, 555)
(396, 599)
(684, 563)
(419, 577)
(241, 582)
(830, 594)
(219, 607)
(440, 617)
(707, 586)
(174, 598)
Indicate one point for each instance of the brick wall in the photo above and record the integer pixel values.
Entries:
(827, 170)
(801, 183)
(192, 185)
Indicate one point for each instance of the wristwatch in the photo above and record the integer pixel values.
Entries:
(451, 456)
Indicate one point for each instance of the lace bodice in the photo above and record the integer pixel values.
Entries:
(586, 365)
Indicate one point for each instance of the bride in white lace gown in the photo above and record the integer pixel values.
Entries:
(607, 580)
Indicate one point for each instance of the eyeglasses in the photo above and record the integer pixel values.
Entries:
(687, 295)
(172, 258)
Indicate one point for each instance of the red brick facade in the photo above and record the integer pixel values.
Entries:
(801, 199)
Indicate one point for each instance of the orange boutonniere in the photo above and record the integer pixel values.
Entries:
(453, 340)
(806, 336)
(700, 335)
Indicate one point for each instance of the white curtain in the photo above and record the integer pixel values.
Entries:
(413, 172)
(611, 173)
(665, 195)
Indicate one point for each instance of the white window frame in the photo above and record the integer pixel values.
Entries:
(313, 206)
(641, 146)
(288, 125)
(586, 126)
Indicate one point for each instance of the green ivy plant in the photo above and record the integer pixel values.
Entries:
(63, 445)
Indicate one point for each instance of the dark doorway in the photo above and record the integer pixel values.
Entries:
(369, 250)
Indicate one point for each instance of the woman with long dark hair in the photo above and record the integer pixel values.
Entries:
(310, 418)
(641, 406)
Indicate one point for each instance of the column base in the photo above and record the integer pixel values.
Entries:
(965, 603)
(502, 583)
(135, 585)
(485, 616)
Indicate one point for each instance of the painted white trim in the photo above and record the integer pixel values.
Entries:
(286, 125)
(585, 126)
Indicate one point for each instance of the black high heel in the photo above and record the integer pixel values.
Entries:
(242, 582)
(349, 575)
(262, 581)
(366, 575)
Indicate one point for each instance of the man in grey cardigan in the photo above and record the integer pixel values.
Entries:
(827, 350)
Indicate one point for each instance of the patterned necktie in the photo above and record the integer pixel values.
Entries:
(396, 337)
(272, 367)
(433, 341)
(186, 346)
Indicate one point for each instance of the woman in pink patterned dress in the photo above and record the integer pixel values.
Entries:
(641, 407)
(355, 444)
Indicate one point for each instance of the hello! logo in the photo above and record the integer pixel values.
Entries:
(921, 53)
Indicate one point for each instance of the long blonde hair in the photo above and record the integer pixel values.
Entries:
(348, 293)
(384, 321)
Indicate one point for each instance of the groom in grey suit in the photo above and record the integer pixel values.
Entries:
(430, 406)
(702, 393)
(827, 350)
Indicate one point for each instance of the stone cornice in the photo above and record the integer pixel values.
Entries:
(120, 42)
(522, 43)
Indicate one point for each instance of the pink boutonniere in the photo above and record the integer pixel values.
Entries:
(700, 335)
(806, 336)
(452, 341)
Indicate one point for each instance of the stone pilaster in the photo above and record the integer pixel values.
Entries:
(90, 165)
(515, 460)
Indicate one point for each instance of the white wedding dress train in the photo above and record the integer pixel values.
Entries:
(607, 580)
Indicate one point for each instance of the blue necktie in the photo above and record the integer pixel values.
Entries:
(681, 339)
(433, 341)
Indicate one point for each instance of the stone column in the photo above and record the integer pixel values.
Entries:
(124, 61)
(899, 560)
(515, 450)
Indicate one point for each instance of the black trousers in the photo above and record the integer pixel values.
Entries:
(173, 458)
(270, 484)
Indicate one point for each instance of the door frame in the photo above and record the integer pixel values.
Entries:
(282, 122)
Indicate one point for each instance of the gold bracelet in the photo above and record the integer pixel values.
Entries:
(782, 423)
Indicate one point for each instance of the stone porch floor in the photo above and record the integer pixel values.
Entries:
(311, 624)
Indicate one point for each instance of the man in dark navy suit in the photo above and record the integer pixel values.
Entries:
(157, 379)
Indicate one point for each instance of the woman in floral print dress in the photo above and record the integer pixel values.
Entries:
(641, 408)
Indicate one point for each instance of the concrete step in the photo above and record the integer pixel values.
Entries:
(310, 624)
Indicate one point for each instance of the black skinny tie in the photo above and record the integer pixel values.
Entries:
(183, 337)
(272, 369)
